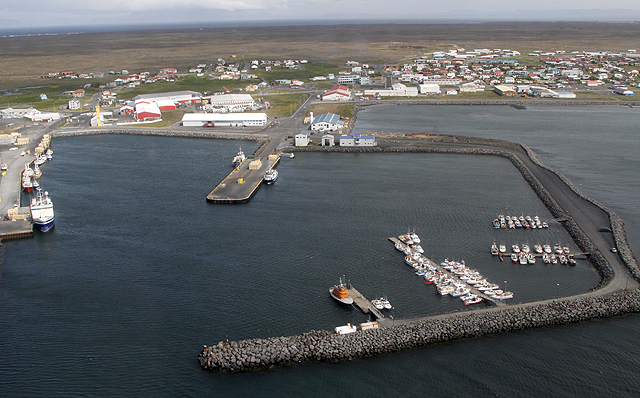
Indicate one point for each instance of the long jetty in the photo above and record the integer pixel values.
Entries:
(582, 217)
(244, 181)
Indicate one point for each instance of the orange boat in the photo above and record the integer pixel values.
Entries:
(339, 292)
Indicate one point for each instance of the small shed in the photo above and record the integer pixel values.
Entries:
(328, 140)
(301, 138)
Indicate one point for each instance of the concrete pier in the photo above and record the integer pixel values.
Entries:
(363, 303)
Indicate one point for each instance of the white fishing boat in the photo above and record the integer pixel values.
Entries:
(378, 304)
(49, 154)
(494, 249)
(471, 299)
(239, 158)
(37, 173)
(399, 246)
(503, 249)
(515, 248)
(40, 159)
(525, 249)
(417, 248)
(547, 249)
(385, 303)
(28, 171)
(537, 248)
(42, 214)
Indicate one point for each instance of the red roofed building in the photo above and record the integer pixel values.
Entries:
(338, 93)
(146, 110)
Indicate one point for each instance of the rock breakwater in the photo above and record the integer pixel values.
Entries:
(321, 345)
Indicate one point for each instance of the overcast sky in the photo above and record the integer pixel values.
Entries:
(70, 13)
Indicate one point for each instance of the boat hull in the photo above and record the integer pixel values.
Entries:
(44, 226)
(347, 301)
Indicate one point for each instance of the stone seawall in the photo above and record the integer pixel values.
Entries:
(321, 345)
(163, 133)
(617, 225)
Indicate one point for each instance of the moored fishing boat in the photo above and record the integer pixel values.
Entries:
(471, 299)
(239, 158)
(514, 257)
(537, 248)
(27, 183)
(378, 304)
(49, 154)
(503, 249)
(42, 214)
(339, 293)
(271, 176)
(494, 249)
(37, 173)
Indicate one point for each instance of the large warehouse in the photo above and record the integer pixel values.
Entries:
(224, 119)
(177, 97)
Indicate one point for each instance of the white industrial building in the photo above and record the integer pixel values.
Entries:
(326, 122)
(431, 88)
(9, 113)
(230, 101)
(37, 116)
(177, 97)
(358, 140)
(224, 119)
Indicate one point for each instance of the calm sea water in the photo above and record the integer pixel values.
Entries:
(140, 271)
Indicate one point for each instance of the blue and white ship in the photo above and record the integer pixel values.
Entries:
(42, 211)
(271, 176)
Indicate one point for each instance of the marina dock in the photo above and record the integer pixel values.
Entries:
(486, 298)
(361, 302)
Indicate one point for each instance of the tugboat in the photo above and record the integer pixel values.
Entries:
(339, 292)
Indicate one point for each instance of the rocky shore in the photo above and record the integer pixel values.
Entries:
(322, 345)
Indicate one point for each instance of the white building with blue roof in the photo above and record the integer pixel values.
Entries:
(358, 140)
(326, 122)
(301, 138)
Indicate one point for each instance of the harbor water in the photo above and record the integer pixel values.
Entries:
(140, 271)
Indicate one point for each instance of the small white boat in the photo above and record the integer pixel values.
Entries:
(417, 248)
(378, 304)
(515, 248)
(494, 249)
(399, 246)
(503, 249)
(525, 249)
(40, 160)
(292, 155)
(471, 299)
(385, 303)
(537, 249)
(547, 249)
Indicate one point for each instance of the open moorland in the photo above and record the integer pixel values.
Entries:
(24, 59)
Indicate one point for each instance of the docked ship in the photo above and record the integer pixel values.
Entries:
(49, 154)
(27, 183)
(42, 211)
(239, 158)
(339, 292)
(271, 176)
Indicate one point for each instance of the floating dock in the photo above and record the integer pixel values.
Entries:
(441, 269)
(361, 302)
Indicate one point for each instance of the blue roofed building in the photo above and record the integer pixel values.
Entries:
(326, 122)
(358, 140)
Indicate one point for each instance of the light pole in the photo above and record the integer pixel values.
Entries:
(505, 286)
(557, 290)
